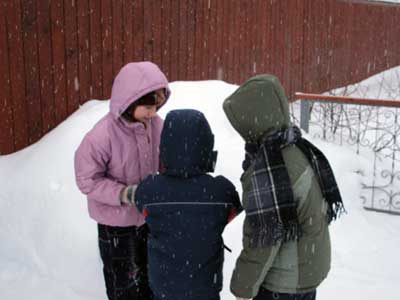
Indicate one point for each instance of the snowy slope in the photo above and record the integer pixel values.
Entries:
(49, 246)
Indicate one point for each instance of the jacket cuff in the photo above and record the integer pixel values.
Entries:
(240, 291)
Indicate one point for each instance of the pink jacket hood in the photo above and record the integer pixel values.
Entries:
(116, 153)
(133, 81)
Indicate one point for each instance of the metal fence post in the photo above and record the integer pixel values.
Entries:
(304, 115)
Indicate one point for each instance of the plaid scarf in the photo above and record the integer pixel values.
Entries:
(272, 209)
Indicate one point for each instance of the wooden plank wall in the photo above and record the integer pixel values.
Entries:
(58, 54)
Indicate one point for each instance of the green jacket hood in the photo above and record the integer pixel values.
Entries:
(257, 106)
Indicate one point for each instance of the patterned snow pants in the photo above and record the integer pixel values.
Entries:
(123, 251)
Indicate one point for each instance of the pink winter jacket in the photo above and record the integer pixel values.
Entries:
(116, 153)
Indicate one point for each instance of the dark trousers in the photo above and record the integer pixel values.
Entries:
(185, 298)
(123, 251)
(264, 294)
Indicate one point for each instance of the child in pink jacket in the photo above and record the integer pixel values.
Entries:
(117, 154)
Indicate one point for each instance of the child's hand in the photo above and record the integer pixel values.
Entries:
(127, 195)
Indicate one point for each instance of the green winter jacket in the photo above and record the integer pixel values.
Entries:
(258, 106)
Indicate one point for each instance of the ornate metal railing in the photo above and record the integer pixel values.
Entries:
(371, 127)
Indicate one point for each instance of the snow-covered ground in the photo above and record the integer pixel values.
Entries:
(48, 244)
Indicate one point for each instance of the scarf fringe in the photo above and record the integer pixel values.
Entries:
(272, 232)
(335, 210)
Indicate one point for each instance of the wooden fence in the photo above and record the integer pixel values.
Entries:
(57, 54)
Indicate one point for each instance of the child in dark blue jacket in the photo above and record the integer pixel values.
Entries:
(186, 210)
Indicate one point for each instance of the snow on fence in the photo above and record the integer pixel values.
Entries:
(372, 128)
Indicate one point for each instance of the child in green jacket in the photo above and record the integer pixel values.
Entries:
(289, 195)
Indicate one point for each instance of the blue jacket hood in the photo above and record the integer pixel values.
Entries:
(187, 142)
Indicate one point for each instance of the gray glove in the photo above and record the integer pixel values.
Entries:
(127, 195)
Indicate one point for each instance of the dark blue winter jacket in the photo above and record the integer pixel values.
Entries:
(186, 211)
